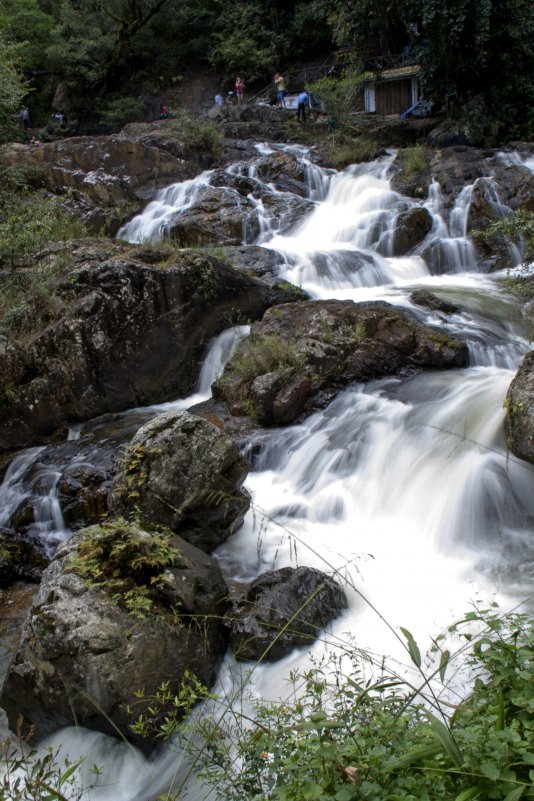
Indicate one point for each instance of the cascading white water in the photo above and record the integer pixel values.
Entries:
(402, 487)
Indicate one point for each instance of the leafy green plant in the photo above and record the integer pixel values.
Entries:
(255, 357)
(518, 226)
(201, 136)
(347, 151)
(414, 160)
(341, 736)
(129, 563)
(120, 111)
(28, 222)
(28, 775)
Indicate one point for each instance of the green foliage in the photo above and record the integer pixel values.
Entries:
(28, 223)
(121, 111)
(339, 95)
(129, 564)
(28, 775)
(201, 136)
(164, 711)
(518, 226)
(342, 736)
(13, 87)
(345, 151)
(413, 160)
(257, 356)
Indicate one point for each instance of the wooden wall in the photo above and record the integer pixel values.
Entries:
(393, 97)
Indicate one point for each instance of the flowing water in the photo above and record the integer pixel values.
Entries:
(402, 487)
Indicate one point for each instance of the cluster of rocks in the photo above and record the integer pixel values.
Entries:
(130, 330)
(83, 653)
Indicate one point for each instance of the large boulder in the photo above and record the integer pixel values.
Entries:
(282, 610)
(219, 216)
(184, 472)
(121, 609)
(129, 328)
(102, 179)
(410, 229)
(300, 350)
(520, 407)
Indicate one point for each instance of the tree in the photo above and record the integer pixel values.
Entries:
(13, 87)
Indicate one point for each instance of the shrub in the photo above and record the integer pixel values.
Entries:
(414, 160)
(128, 563)
(121, 111)
(352, 151)
(201, 136)
(341, 736)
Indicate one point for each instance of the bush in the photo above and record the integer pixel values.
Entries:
(414, 160)
(201, 136)
(352, 151)
(121, 111)
(340, 736)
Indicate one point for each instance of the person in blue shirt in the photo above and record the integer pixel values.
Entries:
(303, 101)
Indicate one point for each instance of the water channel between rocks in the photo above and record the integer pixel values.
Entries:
(403, 487)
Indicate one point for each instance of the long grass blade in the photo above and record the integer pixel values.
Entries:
(444, 736)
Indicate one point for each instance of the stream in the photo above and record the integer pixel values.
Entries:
(402, 487)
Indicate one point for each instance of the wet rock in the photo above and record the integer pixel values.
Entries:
(422, 297)
(103, 178)
(20, 558)
(520, 407)
(410, 229)
(84, 652)
(130, 329)
(218, 216)
(284, 172)
(181, 471)
(283, 610)
(300, 351)
(265, 264)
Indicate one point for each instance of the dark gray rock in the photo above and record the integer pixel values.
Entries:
(186, 473)
(83, 655)
(130, 329)
(520, 408)
(411, 227)
(300, 350)
(282, 610)
(422, 297)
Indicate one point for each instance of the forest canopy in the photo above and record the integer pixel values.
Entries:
(102, 51)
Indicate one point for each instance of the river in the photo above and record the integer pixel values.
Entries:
(402, 487)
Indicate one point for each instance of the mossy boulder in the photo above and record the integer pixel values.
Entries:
(121, 609)
(299, 352)
(520, 407)
(186, 473)
(282, 610)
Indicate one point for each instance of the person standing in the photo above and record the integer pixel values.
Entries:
(239, 90)
(303, 102)
(24, 118)
(280, 85)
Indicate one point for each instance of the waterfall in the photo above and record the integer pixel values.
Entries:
(402, 487)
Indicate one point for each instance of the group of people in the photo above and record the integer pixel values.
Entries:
(303, 99)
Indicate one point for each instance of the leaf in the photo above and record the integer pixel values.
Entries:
(516, 793)
(443, 662)
(490, 770)
(413, 648)
(469, 794)
(344, 794)
(500, 711)
(68, 773)
(53, 795)
(416, 755)
(444, 736)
